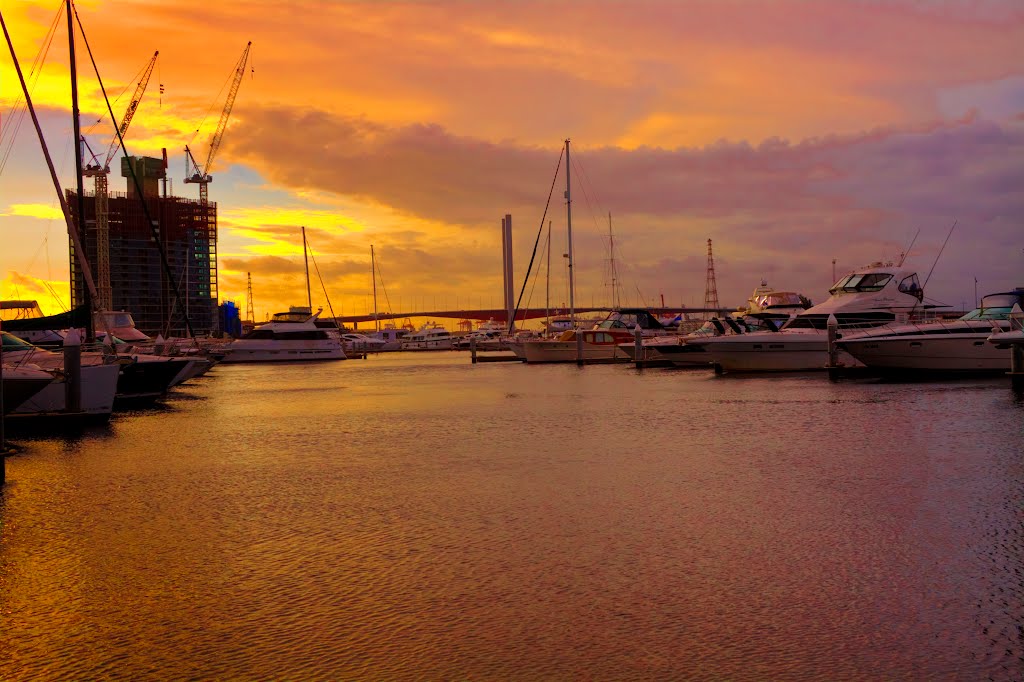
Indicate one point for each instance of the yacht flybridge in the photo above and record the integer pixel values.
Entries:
(289, 337)
(957, 346)
(879, 294)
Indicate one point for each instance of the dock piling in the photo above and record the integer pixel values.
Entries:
(638, 347)
(73, 372)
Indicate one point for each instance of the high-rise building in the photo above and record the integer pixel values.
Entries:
(186, 229)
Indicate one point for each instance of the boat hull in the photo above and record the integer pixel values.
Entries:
(952, 353)
(440, 344)
(772, 352)
(20, 384)
(282, 351)
(565, 351)
(99, 387)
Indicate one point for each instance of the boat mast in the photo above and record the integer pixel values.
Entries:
(616, 303)
(373, 275)
(305, 255)
(90, 327)
(547, 288)
(568, 223)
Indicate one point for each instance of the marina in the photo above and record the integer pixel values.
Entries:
(586, 471)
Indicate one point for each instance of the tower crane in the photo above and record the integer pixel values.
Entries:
(100, 170)
(201, 176)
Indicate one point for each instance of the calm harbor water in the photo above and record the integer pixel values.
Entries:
(419, 517)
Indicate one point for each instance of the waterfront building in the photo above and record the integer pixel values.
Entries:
(133, 274)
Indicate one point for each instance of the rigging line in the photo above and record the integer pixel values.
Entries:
(906, 252)
(540, 231)
(323, 286)
(586, 195)
(384, 288)
(19, 109)
(135, 180)
(584, 181)
(536, 276)
(939, 256)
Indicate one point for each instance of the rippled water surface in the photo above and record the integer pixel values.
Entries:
(416, 516)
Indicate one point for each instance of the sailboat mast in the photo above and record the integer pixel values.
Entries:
(305, 256)
(616, 303)
(547, 287)
(373, 275)
(90, 327)
(568, 223)
(73, 232)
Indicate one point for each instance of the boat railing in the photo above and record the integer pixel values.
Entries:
(934, 324)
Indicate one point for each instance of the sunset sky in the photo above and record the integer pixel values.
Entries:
(790, 133)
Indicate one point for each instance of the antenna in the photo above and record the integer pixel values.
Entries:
(939, 255)
(906, 251)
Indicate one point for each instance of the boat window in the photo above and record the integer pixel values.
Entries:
(311, 335)
(874, 281)
(841, 284)
(995, 307)
(863, 320)
(911, 285)
(11, 342)
(259, 334)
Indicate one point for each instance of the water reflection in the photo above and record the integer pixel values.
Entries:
(421, 517)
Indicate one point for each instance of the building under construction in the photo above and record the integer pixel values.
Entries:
(128, 272)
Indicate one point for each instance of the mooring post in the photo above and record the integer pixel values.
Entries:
(638, 346)
(472, 348)
(73, 372)
(1017, 367)
(579, 348)
(832, 329)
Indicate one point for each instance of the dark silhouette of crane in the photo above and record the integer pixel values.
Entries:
(100, 170)
(201, 176)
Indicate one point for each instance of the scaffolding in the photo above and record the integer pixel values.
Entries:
(187, 230)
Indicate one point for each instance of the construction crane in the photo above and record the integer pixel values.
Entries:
(193, 172)
(100, 170)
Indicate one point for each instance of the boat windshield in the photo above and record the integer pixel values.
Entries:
(290, 316)
(778, 298)
(862, 320)
(995, 307)
(12, 343)
(859, 282)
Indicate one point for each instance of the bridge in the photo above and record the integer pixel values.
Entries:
(501, 315)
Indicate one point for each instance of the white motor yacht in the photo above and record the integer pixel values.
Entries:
(941, 346)
(353, 341)
(878, 294)
(765, 306)
(288, 337)
(429, 337)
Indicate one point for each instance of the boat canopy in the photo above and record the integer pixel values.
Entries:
(77, 318)
(630, 318)
(996, 306)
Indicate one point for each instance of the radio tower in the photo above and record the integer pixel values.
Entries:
(710, 288)
(250, 312)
